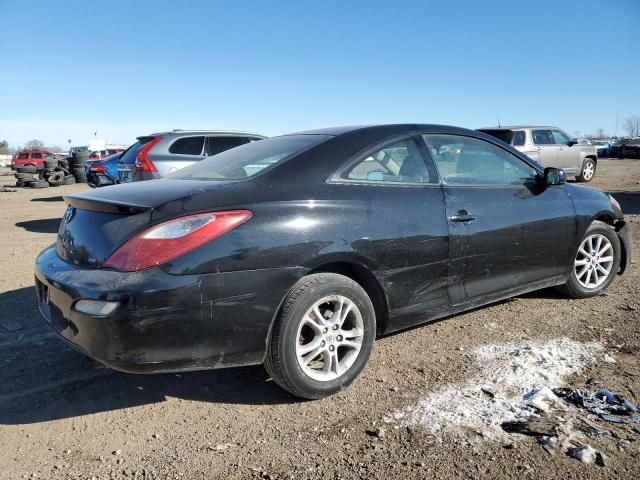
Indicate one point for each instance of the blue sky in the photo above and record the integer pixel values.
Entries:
(127, 68)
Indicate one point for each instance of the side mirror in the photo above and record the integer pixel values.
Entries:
(572, 142)
(554, 176)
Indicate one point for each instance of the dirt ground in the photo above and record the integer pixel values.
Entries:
(62, 416)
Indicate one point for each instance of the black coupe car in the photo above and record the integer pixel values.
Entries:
(298, 250)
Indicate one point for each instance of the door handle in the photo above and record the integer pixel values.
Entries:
(462, 216)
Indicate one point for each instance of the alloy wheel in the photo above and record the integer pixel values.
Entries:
(588, 170)
(594, 261)
(329, 338)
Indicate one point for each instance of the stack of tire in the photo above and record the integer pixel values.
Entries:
(30, 176)
(52, 172)
(56, 173)
(77, 164)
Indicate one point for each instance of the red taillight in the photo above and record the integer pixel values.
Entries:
(170, 239)
(98, 168)
(143, 163)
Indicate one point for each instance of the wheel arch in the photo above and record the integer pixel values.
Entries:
(364, 277)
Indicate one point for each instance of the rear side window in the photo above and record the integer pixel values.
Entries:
(187, 146)
(400, 161)
(217, 145)
(23, 156)
(518, 138)
(36, 155)
(250, 159)
(542, 137)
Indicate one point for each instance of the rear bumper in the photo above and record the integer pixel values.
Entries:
(624, 234)
(163, 322)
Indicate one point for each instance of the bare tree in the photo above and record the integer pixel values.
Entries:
(600, 133)
(34, 145)
(4, 147)
(632, 125)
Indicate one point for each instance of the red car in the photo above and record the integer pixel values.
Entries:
(30, 157)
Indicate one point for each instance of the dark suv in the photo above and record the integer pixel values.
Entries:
(159, 154)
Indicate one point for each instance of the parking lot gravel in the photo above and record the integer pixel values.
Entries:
(62, 416)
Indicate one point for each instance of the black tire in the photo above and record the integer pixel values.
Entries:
(56, 179)
(573, 288)
(69, 180)
(39, 184)
(281, 361)
(20, 184)
(50, 164)
(27, 169)
(83, 155)
(78, 174)
(588, 170)
(63, 164)
(26, 176)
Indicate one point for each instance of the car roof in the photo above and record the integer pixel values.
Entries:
(178, 131)
(390, 128)
(516, 127)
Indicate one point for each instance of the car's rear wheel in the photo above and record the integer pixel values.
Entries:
(323, 336)
(588, 170)
(596, 262)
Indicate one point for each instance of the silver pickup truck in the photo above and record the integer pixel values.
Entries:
(551, 147)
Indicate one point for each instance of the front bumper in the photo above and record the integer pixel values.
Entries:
(164, 322)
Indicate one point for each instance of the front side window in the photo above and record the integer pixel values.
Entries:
(187, 146)
(542, 137)
(470, 161)
(400, 161)
(518, 138)
(559, 138)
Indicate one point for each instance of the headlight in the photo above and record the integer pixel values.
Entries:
(615, 203)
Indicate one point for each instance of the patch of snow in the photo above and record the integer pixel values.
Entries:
(518, 378)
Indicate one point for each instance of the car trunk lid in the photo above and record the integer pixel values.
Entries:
(97, 222)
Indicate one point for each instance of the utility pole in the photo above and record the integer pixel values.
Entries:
(616, 135)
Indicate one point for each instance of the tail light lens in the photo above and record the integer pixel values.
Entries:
(98, 168)
(173, 238)
(143, 163)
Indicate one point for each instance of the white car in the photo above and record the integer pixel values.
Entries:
(551, 147)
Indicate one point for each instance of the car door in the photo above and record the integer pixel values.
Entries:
(546, 147)
(403, 229)
(182, 152)
(569, 158)
(506, 230)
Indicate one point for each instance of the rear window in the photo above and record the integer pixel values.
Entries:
(518, 138)
(248, 160)
(504, 135)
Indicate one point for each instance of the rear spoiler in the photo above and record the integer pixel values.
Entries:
(106, 206)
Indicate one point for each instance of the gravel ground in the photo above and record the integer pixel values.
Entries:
(62, 416)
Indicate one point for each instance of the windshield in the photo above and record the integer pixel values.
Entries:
(248, 160)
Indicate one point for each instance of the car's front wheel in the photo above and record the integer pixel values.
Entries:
(588, 170)
(596, 262)
(323, 336)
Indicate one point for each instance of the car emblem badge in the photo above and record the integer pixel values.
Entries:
(68, 215)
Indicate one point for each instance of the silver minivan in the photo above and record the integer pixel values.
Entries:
(551, 147)
(159, 154)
